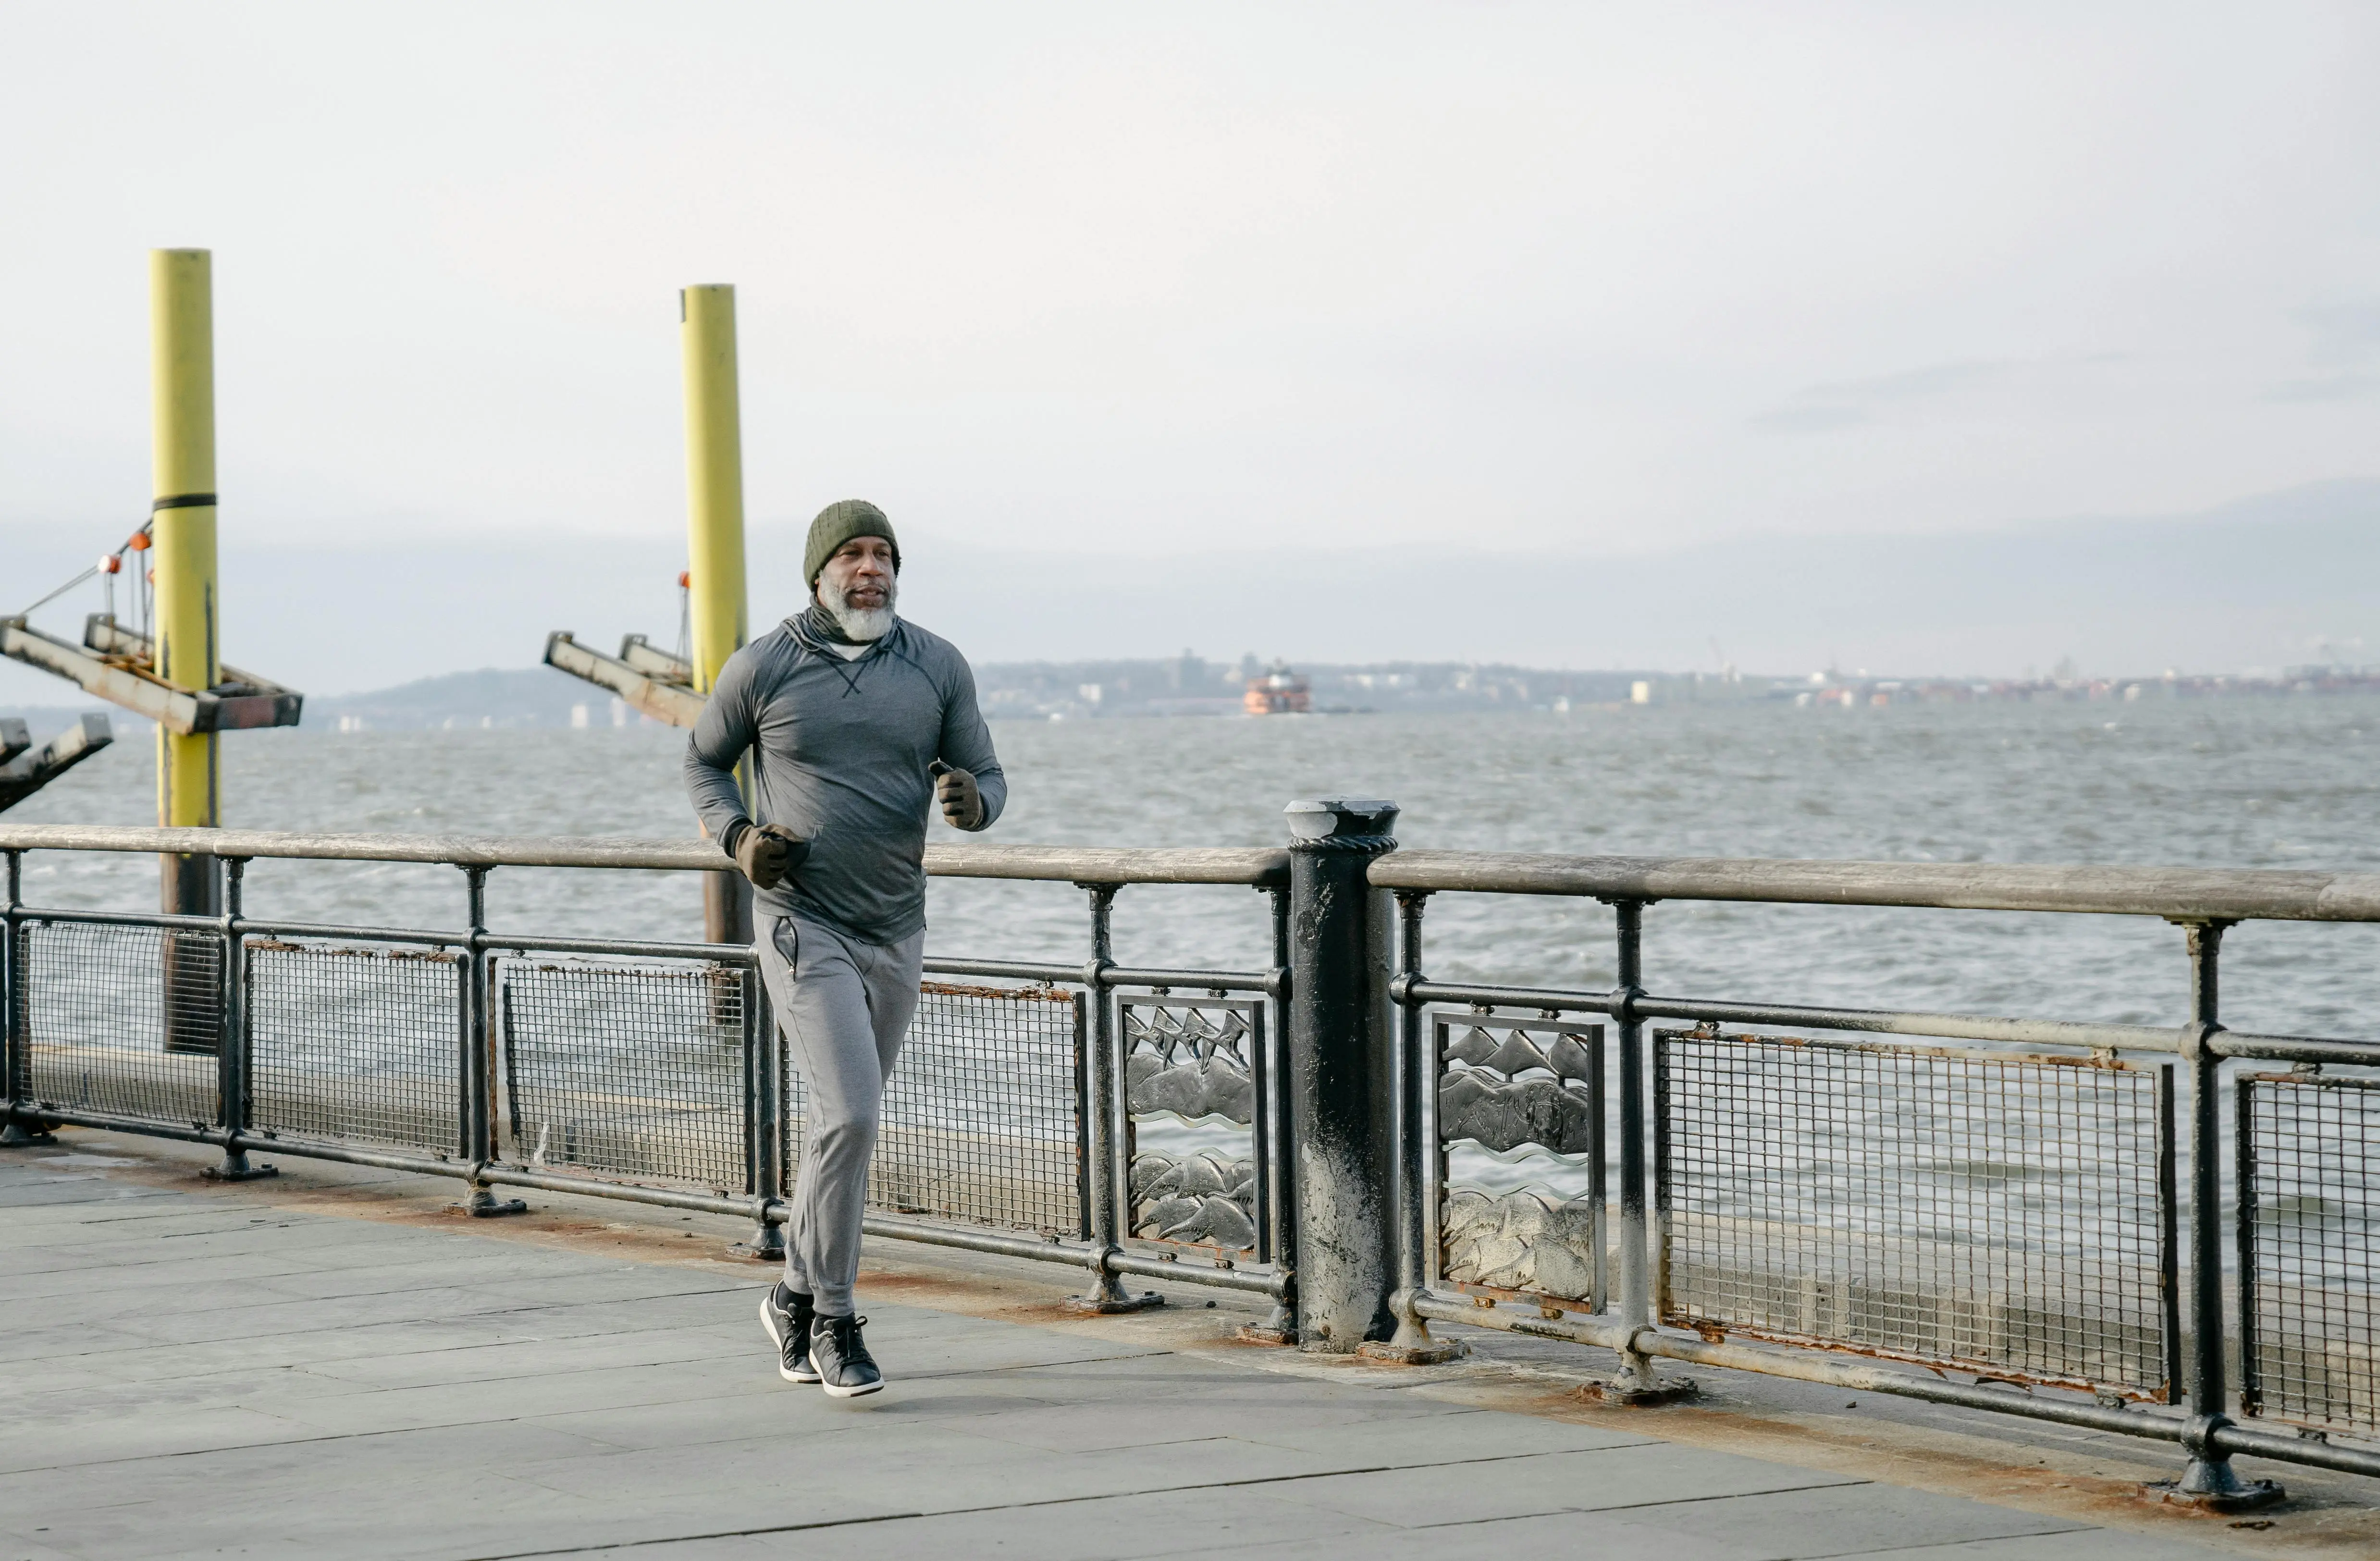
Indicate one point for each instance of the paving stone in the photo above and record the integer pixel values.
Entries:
(1525, 1486)
(1842, 1519)
(1166, 1524)
(1463, 1434)
(1133, 1421)
(2077, 1544)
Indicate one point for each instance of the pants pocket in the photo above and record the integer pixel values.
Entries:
(787, 942)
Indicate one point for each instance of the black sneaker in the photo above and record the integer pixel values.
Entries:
(844, 1367)
(788, 1316)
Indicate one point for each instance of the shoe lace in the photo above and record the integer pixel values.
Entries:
(847, 1342)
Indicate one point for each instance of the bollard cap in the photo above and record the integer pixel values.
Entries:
(1315, 820)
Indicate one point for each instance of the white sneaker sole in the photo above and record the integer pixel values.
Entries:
(804, 1374)
(860, 1392)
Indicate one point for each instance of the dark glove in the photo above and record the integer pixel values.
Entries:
(768, 852)
(962, 800)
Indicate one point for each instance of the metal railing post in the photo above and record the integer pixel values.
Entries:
(232, 1040)
(1278, 1185)
(1110, 1177)
(1342, 1084)
(15, 1067)
(764, 1119)
(1635, 1382)
(478, 1058)
(2209, 1480)
(1415, 1072)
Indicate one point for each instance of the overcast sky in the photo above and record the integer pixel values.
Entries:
(1144, 279)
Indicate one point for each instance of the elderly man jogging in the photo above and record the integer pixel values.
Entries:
(857, 720)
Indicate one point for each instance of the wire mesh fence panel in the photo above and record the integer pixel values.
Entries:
(1516, 1115)
(981, 1120)
(121, 1019)
(1192, 1072)
(358, 1043)
(2310, 1241)
(632, 1071)
(2004, 1213)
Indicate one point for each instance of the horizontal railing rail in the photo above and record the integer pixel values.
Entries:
(2174, 893)
(1774, 1187)
(1948, 1027)
(1082, 865)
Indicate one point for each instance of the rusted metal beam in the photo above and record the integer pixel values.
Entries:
(2177, 893)
(25, 773)
(670, 703)
(242, 700)
(113, 664)
(655, 662)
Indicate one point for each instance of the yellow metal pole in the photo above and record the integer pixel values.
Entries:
(714, 479)
(182, 389)
(714, 535)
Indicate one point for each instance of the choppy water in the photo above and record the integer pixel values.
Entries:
(2245, 783)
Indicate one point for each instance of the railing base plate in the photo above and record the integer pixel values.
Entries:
(484, 1205)
(1109, 1306)
(2247, 1496)
(15, 1136)
(1637, 1396)
(1436, 1353)
(240, 1173)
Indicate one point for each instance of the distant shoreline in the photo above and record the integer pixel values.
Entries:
(540, 700)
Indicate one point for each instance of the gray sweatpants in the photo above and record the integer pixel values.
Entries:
(845, 1006)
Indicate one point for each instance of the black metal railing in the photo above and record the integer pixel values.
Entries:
(637, 1070)
(2014, 1212)
(2036, 1212)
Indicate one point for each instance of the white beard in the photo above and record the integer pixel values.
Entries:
(866, 624)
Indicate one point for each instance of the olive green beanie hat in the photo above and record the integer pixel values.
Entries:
(838, 524)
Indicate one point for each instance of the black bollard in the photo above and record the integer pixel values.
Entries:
(1342, 1074)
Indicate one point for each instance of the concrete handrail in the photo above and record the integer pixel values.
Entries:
(2175, 893)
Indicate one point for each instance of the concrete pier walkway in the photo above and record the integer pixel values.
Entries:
(332, 1365)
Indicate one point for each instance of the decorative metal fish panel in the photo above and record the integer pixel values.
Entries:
(1510, 1087)
(1521, 1241)
(1201, 1199)
(1193, 1092)
(1190, 1060)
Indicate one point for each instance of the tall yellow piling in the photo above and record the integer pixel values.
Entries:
(714, 533)
(714, 479)
(182, 393)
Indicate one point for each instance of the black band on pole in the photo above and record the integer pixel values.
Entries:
(184, 501)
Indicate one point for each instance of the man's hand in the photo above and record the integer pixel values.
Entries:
(768, 852)
(956, 791)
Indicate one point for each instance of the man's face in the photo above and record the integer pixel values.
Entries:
(862, 570)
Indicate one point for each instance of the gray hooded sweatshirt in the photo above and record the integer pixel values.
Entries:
(842, 749)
